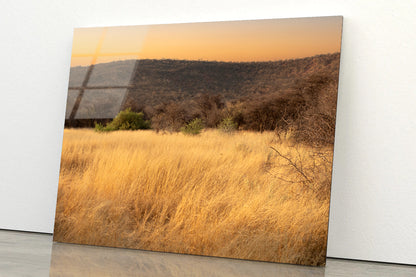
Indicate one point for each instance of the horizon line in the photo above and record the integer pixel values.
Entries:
(201, 60)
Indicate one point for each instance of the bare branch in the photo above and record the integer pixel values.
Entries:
(292, 164)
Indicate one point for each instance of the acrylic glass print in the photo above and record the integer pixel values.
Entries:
(202, 138)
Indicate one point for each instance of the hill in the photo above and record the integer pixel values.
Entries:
(153, 82)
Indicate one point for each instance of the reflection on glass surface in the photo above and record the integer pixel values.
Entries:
(82, 260)
(70, 101)
(101, 72)
(77, 75)
(101, 103)
(123, 39)
(117, 73)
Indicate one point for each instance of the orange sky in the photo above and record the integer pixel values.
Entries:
(252, 40)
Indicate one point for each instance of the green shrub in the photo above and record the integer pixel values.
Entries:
(193, 128)
(125, 120)
(227, 125)
(101, 128)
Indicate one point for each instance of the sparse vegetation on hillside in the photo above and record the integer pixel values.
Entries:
(170, 93)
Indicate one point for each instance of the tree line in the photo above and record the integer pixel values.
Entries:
(307, 110)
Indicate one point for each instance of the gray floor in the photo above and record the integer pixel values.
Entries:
(31, 254)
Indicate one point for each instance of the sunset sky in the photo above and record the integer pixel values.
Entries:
(237, 41)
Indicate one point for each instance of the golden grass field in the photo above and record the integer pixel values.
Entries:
(212, 194)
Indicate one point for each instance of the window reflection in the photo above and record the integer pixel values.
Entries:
(97, 91)
(100, 103)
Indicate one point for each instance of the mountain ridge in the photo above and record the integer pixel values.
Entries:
(153, 82)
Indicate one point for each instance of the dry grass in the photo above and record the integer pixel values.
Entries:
(212, 194)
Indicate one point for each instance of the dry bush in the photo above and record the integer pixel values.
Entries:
(213, 194)
(316, 125)
(308, 110)
(209, 108)
(171, 116)
(271, 112)
(311, 169)
(174, 115)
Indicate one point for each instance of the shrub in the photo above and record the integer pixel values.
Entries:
(193, 128)
(209, 108)
(316, 126)
(273, 112)
(227, 125)
(171, 116)
(101, 128)
(125, 120)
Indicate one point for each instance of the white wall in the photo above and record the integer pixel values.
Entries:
(373, 207)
